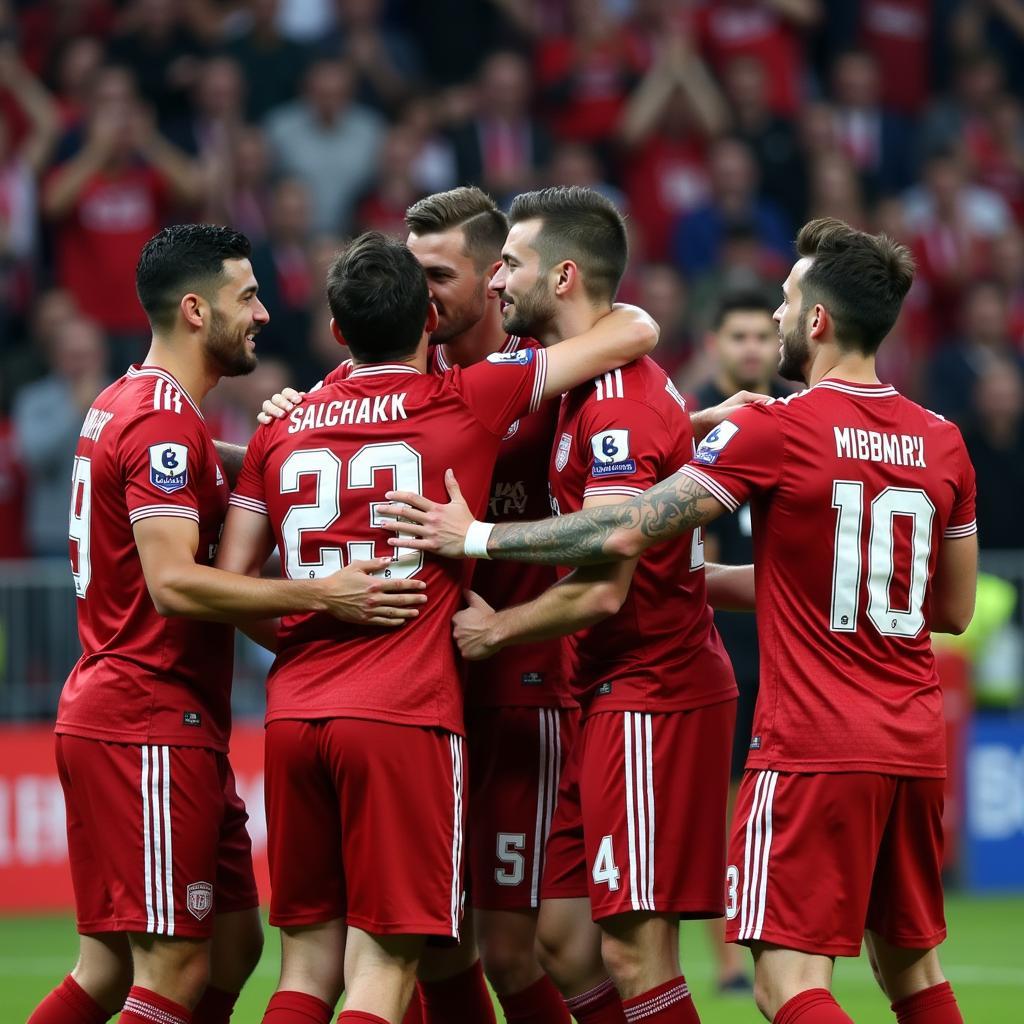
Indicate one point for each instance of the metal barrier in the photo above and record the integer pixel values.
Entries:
(39, 644)
(39, 637)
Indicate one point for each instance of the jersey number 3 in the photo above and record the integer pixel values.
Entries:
(911, 503)
(320, 515)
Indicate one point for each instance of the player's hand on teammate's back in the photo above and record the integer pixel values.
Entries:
(705, 420)
(471, 628)
(354, 594)
(279, 405)
(427, 525)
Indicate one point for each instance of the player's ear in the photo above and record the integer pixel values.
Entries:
(567, 275)
(430, 325)
(336, 331)
(820, 321)
(193, 309)
(494, 268)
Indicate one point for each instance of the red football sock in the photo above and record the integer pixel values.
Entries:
(360, 1016)
(815, 1006)
(296, 1008)
(463, 997)
(215, 1007)
(935, 1005)
(69, 1003)
(669, 1003)
(599, 1005)
(539, 1003)
(143, 1007)
(414, 1015)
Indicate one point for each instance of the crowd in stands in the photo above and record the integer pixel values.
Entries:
(718, 126)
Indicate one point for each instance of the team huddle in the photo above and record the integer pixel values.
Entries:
(500, 718)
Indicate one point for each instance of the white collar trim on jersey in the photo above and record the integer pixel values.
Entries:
(369, 370)
(861, 390)
(512, 343)
(156, 371)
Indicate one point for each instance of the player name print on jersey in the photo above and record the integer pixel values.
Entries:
(374, 409)
(95, 421)
(875, 446)
(168, 466)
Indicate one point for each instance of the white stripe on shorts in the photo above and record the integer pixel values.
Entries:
(756, 854)
(639, 772)
(456, 748)
(549, 770)
(157, 850)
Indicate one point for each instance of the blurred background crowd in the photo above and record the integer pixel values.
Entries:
(718, 126)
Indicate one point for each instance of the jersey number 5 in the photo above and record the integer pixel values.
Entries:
(915, 505)
(319, 516)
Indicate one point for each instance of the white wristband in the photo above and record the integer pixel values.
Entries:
(475, 544)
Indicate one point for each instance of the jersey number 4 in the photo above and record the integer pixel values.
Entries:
(916, 506)
(320, 515)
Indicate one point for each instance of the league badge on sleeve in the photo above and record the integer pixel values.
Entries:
(611, 454)
(521, 357)
(712, 445)
(168, 466)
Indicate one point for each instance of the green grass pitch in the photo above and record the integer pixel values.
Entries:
(983, 958)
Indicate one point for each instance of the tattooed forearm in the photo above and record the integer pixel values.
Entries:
(611, 532)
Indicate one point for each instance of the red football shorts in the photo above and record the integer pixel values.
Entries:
(156, 837)
(814, 859)
(641, 817)
(515, 757)
(365, 822)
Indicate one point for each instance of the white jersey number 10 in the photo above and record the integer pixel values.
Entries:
(848, 500)
(406, 465)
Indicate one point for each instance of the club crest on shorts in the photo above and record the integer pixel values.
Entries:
(562, 455)
(168, 466)
(199, 899)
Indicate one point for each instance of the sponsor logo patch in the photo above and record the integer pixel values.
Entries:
(199, 899)
(521, 358)
(168, 466)
(755, 743)
(562, 455)
(192, 718)
(533, 679)
(604, 689)
(712, 445)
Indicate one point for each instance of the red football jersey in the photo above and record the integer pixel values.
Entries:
(143, 451)
(852, 489)
(525, 675)
(620, 434)
(320, 474)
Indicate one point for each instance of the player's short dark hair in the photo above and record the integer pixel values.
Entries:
(747, 300)
(581, 225)
(483, 225)
(184, 258)
(377, 292)
(860, 279)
